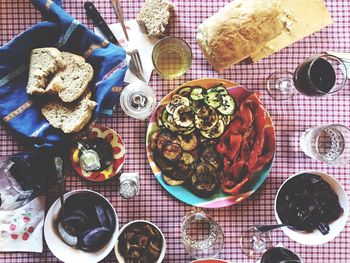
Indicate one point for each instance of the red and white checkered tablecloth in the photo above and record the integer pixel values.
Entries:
(291, 118)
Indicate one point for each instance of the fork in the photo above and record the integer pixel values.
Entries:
(135, 62)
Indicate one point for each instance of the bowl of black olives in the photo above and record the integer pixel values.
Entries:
(90, 222)
(140, 241)
(313, 205)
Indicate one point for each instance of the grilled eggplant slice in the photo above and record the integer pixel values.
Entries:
(163, 164)
(154, 140)
(189, 142)
(204, 180)
(206, 118)
(186, 162)
(165, 138)
(172, 151)
(209, 155)
(171, 181)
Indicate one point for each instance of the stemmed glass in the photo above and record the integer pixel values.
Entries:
(316, 76)
(256, 243)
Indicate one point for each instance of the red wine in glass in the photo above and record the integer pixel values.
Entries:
(315, 77)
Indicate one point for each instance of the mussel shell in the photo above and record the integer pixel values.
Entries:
(78, 220)
(94, 238)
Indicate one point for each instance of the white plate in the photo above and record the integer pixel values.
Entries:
(67, 253)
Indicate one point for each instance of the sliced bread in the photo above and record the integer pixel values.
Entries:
(70, 117)
(71, 82)
(154, 15)
(44, 63)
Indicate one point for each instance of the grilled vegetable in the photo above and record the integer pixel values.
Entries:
(209, 155)
(171, 181)
(204, 180)
(219, 89)
(154, 140)
(228, 105)
(172, 151)
(198, 93)
(159, 116)
(176, 101)
(185, 91)
(166, 138)
(214, 132)
(189, 142)
(184, 116)
(213, 99)
(206, 118)
(186, 162)
(164, 165)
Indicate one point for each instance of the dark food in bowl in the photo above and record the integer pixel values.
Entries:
(307, 202)
(103, 149)
(91, 218)
(140, 242)
(279, 255)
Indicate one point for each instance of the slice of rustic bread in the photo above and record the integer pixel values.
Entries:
(154, 15)
(71, 82)
(44, 63)
(70, 117)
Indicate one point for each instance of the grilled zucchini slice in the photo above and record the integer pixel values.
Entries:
(219, 89)
(184, 116)
(206, 118)
(227, 106)
(185, 91)
(198, 93)
(176, 101)
(214, 132)
(213, 99)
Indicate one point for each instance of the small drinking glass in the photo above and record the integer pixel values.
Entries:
(316, 76)
(138, 100)
(327, 143)
(171, 57)
(254, 243)
(201, 236)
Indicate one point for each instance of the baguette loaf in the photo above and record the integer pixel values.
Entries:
(237, 30)
(70, 117)
(154, 15)
(44, 63)
(71, 82)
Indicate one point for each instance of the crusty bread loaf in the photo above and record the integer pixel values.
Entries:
(44, 63)
(237, 30)
(71, 82)
(70, 117)
(154, 15)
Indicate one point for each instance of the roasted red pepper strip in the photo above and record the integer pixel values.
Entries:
(234, 190)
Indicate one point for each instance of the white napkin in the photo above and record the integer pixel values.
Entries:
(345, 57)
(140, 40)
(22, 229)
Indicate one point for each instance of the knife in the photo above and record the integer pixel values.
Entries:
(93, 13)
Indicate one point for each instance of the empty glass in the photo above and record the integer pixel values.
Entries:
(254, 243)
(327, 143)
(316, 76)
(201, 236)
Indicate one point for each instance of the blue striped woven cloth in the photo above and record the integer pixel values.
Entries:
(20, 111)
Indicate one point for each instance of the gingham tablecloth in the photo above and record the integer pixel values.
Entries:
(291, 118)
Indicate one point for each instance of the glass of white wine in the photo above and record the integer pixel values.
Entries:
(171, 57)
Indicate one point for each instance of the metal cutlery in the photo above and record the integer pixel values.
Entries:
(135, 62)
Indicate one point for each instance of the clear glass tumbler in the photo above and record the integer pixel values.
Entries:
(327, 143)
(171, 57)
(201, 236)
(254, 243)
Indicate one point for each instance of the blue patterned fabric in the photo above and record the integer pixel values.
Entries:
(20, 111)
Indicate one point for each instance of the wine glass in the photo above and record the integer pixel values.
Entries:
(256, 243)
(316, 76)
(201, 236)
